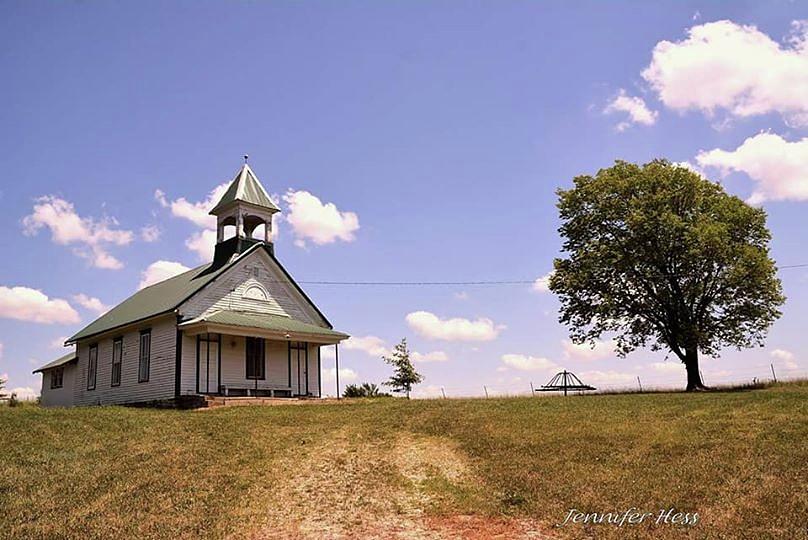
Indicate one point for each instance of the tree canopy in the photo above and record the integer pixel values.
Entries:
(660, 256)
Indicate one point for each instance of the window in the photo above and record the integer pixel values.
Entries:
(255, 358)
(117, 358)
(144, 358)
(255, 292)
(57, 377)
(92, 367)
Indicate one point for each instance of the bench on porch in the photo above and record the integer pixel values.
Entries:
(240, 391)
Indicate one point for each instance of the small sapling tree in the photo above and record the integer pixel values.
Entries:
(404, 374)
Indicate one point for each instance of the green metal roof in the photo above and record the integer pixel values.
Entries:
(62, 360)
(166, 296)
(262, 321)
(245, 187)
(154, 300)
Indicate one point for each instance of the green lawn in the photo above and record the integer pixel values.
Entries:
(392, 468)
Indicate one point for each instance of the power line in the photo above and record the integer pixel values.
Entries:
(421, 283)
(483, 282)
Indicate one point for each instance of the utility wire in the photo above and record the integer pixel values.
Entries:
(465, 283)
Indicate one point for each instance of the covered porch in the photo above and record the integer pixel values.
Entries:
(256, 355)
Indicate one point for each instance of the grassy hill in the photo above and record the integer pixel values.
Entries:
(420, 469)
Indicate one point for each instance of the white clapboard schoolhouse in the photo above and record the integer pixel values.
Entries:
(237, 326)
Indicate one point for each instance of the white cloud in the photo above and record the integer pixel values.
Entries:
(778, 167)
(527, 363)
(58, 343)
(787, 358)
(542, 284)
(431, 326)
(150, 233)
(462, 295)
(691, 167)
(372, 345)
(606, 377)
(346, 375)
(321, 223)
(638, 112)
(33, 305)
(159, 271)
(376, 346)
(587, 352)
(434, 356)
(203, 243)
(327, 352)
(668, 367)
(24, 393)
(428, 391)
(726, 66)
(782, 354)
(90, 236)
(160, 197)
(195, 212)
(91, 303)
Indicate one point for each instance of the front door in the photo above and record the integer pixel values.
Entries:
(208, 363)
(299, 353)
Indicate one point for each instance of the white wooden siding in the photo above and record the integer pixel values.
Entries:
(188, 372)
(314, 372)
(58, 397)
(234, 364)
(227, 292)
(277, 356)
(161, 371)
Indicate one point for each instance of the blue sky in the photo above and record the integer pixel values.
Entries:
(442, 129)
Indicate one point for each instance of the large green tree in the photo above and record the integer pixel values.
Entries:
(658, 255)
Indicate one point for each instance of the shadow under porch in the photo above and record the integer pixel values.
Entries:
(236, 353)
(254, 366)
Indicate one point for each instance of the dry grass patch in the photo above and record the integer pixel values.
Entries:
(354, 486)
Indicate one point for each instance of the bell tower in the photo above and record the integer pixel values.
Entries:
(245, 206)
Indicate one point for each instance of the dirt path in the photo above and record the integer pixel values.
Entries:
(349, 487)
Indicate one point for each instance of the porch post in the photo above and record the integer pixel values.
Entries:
(219, 366)
(197, 363)
(336, 371)
(207, 364)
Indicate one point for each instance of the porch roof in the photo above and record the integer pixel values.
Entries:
(62, 360)
(245, 322)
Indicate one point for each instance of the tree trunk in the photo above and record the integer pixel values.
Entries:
(694, 383)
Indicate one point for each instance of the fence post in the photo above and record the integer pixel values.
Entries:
(638, 382)
(773, 374)
(442, 391)
(532, 391)
(486, 391)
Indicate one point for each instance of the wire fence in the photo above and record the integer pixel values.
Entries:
(529, 384)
